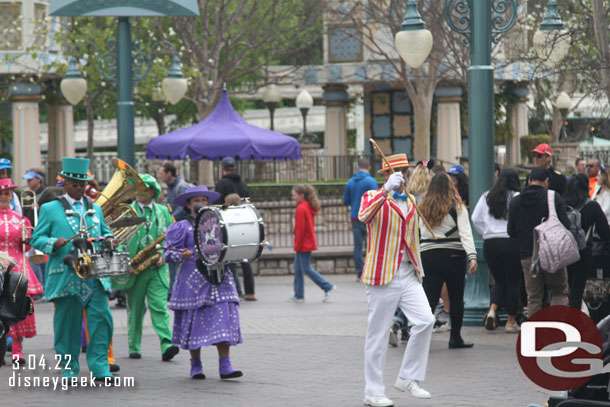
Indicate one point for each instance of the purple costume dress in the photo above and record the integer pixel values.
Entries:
(204, 314)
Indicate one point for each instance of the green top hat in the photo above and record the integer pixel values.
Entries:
(151, 183)
(75, 168)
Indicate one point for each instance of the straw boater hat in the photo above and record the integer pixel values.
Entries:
(396, 161)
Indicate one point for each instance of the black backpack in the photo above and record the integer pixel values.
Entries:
(15, 304)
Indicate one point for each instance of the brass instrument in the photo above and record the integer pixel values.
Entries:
(28, 200)
(83, 265)
(145, 257)
(124, 185)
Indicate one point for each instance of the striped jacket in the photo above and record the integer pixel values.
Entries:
(389, 234)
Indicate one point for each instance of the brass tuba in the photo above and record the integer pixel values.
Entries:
(125, 184)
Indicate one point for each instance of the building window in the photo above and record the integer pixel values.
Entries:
(10, 26)
(391, 121)
(40, 26)
(344, 44)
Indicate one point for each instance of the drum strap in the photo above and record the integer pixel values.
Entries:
(66, 204)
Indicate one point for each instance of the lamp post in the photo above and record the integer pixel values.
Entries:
(74, 87)
(563, 103)
(413, 42)
(126, 63)
(473, 20)
(304, 102)
(271, 97)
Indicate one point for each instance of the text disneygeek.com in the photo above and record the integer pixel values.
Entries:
(17, 380)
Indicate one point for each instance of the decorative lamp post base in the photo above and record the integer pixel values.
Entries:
(476, 292)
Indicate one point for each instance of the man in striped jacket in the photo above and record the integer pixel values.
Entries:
(392, 275)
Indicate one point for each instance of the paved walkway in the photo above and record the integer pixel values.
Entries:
(307, 354)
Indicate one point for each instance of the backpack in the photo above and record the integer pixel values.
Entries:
(554, 245)
(15, 304)
(576, 225)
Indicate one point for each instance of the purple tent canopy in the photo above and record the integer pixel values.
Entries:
(224, 133)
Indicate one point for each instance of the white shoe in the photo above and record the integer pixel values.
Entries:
(295, 299)
(327, 293)
(378, 401)
(411, 386)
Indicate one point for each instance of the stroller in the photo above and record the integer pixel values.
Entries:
(595, 392)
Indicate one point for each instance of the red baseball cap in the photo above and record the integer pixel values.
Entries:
(543, 148)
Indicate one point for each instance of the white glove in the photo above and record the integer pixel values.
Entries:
(394, 182)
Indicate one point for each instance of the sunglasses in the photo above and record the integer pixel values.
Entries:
(539, 155)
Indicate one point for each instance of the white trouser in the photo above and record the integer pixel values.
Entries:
(405, 291)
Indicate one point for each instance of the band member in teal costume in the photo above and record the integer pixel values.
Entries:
(58, 221)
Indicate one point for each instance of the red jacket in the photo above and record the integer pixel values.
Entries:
(304, 229)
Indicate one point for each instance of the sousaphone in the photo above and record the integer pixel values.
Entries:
(122, 220)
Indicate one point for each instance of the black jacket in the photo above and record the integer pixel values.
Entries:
(231, 184)
(528, 210)
(557, 181)
(593, 215)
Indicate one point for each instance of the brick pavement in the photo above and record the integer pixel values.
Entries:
(307, 354)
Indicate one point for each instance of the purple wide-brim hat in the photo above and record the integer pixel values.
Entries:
(196, 191)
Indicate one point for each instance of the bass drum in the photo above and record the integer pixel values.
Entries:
(234, 234)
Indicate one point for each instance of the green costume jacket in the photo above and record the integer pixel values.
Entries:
(53, 223)
(156, 225)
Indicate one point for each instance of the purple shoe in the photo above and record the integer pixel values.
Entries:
(226, 370)
(197, 369)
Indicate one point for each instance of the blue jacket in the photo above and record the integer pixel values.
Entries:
(355, 188)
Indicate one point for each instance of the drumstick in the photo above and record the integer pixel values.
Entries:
(404, 187)
(80, 233)
(168, 248)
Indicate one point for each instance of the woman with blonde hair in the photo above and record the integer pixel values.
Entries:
(419, 181)
(444, 259)
(305, 242)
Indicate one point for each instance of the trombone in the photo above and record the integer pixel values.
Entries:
(28, 200)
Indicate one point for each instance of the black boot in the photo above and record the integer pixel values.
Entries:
(459, 343)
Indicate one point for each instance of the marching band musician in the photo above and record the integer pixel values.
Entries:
(15, 230)
(59, 220)
(151, 283)
(204, 313)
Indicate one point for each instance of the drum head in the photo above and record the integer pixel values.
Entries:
(209, 236)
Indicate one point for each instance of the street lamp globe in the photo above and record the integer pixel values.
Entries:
(304, 100)
(551, 41)
(271, 98)
(73, 86)
(563, 101)
(272, 94)
(414, 41)
(175, 85)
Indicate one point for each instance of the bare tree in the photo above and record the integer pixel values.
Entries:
(233, 41)
(377, 24)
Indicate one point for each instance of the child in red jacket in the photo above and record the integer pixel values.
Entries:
(305, 242)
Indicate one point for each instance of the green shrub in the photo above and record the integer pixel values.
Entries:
(529, 142)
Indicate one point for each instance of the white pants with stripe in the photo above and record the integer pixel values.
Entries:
(405, 291)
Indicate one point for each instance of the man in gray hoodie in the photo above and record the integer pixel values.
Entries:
(355, 188)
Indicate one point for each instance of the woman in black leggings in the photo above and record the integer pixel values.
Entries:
(591, 215)
(444, 259)
(501, 253)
